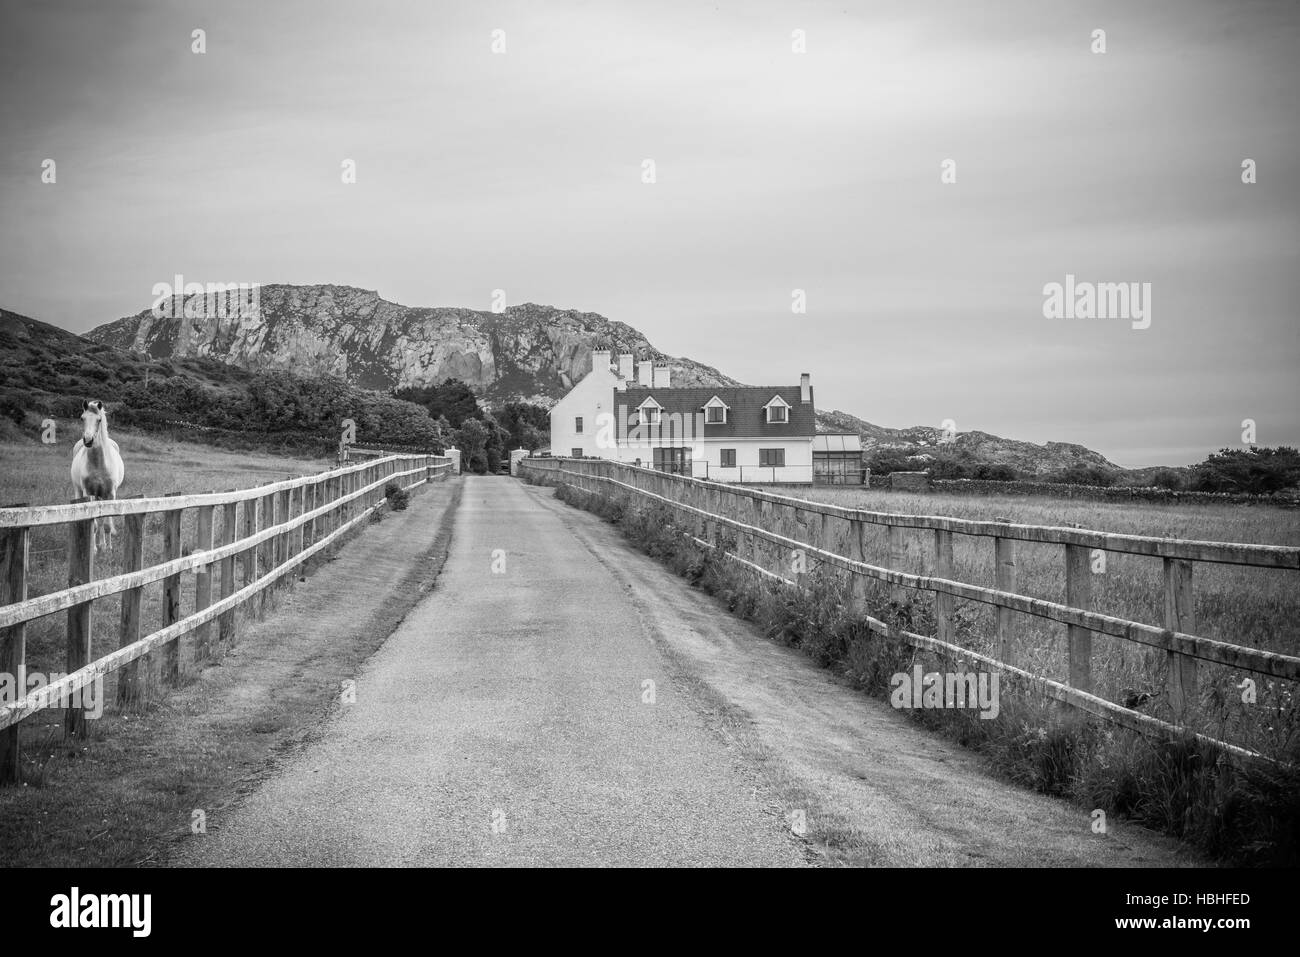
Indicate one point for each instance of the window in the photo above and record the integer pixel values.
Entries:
(776, 413)
(715, 414)
(577, 453)
(577, 425)
(728, 458)
(772, 458)
(650, 415)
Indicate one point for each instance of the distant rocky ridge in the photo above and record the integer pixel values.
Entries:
(926, 442)
(527, 352)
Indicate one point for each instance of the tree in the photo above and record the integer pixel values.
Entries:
(1253, 471)
(1166, 478)
(472, 438)
(888, 460)
(996, 472)
(496, 446)
(528, 425)
(452, 399)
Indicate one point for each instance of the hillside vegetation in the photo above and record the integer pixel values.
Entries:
(46, 372)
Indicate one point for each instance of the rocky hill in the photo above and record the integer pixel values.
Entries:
(924, 442)
(528, 352)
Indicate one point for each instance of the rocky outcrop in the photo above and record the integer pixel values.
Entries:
(528, 352)
(923, 443)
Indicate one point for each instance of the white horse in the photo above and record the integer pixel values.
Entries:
(97, 468)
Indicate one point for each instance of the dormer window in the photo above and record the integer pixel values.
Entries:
(715, 412)
(778, 411)
(649, 410)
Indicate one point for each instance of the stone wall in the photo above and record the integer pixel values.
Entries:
(1116, 493)
(910, 481)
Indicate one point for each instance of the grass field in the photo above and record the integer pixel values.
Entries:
(1257, 607)
(36, 474)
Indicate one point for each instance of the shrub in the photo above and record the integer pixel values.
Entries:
(1083, 475)
(1166, 478)
(1255, 471)
(398, 497)
(12, 410)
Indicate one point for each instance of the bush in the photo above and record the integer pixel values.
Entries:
(889, 460)
(1166, 478)
(1083, 475)
(1254, 471)
(398, 497)
(12, 410)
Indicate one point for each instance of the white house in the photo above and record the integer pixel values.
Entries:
(729, 434)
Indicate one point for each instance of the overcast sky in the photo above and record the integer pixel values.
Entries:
(775, 171)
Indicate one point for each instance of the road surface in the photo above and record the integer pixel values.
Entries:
(559, 699)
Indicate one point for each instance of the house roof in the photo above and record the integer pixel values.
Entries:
(746, 415)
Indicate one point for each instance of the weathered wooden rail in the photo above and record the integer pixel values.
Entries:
(266, 532)
(752, 514)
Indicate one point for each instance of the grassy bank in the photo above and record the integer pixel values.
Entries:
(147, 779)
(1238, 815)
(36, 474)
(1255, 607)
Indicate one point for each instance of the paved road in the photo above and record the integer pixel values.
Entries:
(505, 722)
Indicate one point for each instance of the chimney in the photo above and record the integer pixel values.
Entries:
(663, 376)
(645, 373)
(599, 359)
(805, 388)
(626, 370)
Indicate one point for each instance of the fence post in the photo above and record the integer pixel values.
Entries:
(265, 520)
(133, 682)
(1005, 572)
(858, 552)
(943, 568)
(203, 580)
(283, 512)
(1179, 617)
(249, 528)
(14, 545)
(171, 653)
(81, 569)
(229, 535)
(299, 534)
(1078, 594)
(897, 553)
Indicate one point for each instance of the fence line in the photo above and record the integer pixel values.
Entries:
(266, 533)
(703, 503)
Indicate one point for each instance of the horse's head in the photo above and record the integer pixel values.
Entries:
(93, 417)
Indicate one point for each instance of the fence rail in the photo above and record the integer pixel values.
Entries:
(266, 533)
(712, 505)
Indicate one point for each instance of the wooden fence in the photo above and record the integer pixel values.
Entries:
(266, 532)
(752, 515)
